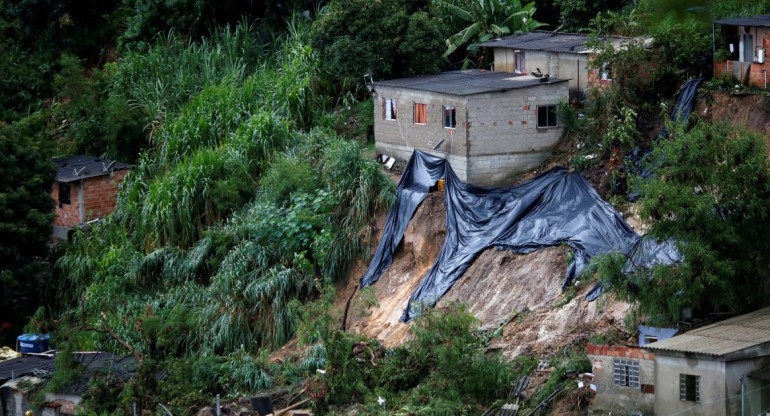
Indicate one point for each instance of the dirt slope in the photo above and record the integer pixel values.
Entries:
(523, 290)
(749, 110)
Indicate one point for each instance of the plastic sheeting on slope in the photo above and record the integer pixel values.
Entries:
(554, 208)
(638, 160)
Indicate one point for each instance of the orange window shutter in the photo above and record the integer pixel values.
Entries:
(425, 113)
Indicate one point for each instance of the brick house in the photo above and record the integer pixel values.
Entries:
(625, 380)
(84, 189)
(489, 125)
(562, 55)
(739, 50)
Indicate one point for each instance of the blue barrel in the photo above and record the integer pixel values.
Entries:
(33, 343)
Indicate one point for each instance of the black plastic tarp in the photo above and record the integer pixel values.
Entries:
(555, 208)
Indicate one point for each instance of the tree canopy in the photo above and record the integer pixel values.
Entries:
(712, 196)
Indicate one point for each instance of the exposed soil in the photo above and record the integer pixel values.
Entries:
(521, 292)
(749, 110)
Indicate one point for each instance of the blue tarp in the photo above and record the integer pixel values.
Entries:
(555, 208)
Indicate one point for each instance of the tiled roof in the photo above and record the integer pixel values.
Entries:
(762, 20)
(722, 338)
(467, 82)
(73, 168)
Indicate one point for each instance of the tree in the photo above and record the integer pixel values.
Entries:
(387, 39)
(26, 213)
(481, 20)
(712, 196)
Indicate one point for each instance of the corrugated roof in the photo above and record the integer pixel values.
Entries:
(73, 168)
(541, 41)
(722, 338)
(96, 364)
(762, 20)
(467, 82)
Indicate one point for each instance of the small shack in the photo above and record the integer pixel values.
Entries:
(562, 55)
(739, 50)
(85, 189)
(21, 376)
(719, 369)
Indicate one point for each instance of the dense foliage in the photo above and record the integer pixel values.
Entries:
(386, 39)
(26, 214)
(710, 194)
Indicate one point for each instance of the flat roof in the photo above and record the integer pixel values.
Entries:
(721, 338)
(468, 82)
(762, 20)
(73, 168)
(540, 40)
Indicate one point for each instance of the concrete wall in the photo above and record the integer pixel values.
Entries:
(571, 66)
(89, 198)
(496, 136)
(621, 400)
(713, 388)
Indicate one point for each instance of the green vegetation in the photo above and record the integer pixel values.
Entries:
(251, 195)
(711, 194)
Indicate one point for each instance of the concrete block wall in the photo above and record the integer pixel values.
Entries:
(758, 73)
(496, 136)
(621, 400)
(405, 134)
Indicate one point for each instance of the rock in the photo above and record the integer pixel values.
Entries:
(206, 411)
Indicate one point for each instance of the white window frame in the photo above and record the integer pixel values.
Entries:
(683, 387)
(605, 72)
(548, 124)
(519, 66)
(449, 122)
(390, 108)
(626, 373)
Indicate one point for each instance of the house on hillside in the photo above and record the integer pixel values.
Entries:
(489, 125)
(719, 369)
(739, 51)
(625, 374)
(84, 189)
(562, 55)
(20, 376)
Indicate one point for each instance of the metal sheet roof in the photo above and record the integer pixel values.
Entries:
(722, 338)
(762, 20)
(96, 364)
(467, 82)
(73, 168)
(541, 41)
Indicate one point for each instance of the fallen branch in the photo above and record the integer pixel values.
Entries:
(116, 337)
(292, 407)
(347, 307)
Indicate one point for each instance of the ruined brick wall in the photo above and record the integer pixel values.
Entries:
(615, 398)
(66, 214)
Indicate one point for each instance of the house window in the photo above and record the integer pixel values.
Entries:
(518, 63)
(64, 194)
(546, 116)
(449, 117)
(649, 340)
(389, 109)
(420, 113)
(689, 388)
(605, 74)
(625, 372)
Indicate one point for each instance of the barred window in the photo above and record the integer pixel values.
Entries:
(626, 372)
(689, 388)
(450, 121)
